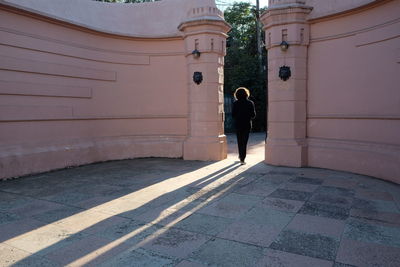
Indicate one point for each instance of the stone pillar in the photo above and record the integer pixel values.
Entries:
(286, 20)
(205, 31)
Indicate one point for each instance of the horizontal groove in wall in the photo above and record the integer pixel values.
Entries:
(27, 113)
(48, 68)
(351, 144)
(353, 117)
(352, 33)
(77, 118)
(120, 54)
(10, 149)
(52, 46)
(40, 89)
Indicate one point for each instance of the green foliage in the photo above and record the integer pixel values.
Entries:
(242, 66)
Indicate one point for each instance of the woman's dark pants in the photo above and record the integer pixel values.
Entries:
(242, 135)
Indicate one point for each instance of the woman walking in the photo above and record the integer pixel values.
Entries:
(243, 112)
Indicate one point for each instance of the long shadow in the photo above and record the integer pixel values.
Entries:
(53, 196)
(130, 228)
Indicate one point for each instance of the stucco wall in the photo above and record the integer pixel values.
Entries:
(323, 8)
(151, 19)
(353, 92)
(69, 97)
(84, 81)
(332, 7)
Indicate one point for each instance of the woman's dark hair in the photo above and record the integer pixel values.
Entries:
(241, 93)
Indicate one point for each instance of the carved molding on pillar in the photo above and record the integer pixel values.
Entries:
(285, 22)
(205, 32)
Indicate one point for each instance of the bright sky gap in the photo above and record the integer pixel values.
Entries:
(223, 4)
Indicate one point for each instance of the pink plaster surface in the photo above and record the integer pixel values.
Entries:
(127, 20)
(326, 8)
(353, 105)
(344, 62)
(76, 89)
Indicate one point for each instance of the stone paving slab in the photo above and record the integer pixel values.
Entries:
(251, 233)
(175, 242)
(306, 180)
(126, 228)
(338, 191)
(375, 205)
(43, 240)
(277, 258)
(231, 206)
(340, 181)
(35, 207)
(18, 228)
(73, 252)
(282, 204)
(368, 231)
(139, 258)
(8, 217)
(290, 194)
(220, 252)
(270, 217)
(374, 195)
(300, 187)
(325, 210)
(11, 256)
(345, 202)
(170, 212)
(388, 217)
(12, 201)
(57, 214)
(257, 188)
(204, 224)
(317, 225)
(311, 245)
(358, 253)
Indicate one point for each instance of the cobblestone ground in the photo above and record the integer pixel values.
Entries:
(170, 212)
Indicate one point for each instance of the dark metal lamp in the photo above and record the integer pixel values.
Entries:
(196, 53)
(284, 46)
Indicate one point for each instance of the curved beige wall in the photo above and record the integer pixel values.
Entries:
(70, 95)
(353, 92)
(332, 7)
(340, 109)
(151, 19)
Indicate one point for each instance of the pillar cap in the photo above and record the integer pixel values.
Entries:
(285, 14)
(223, 26)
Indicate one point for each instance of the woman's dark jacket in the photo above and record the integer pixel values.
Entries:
(243, 112)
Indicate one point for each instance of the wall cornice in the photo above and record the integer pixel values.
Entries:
(318, 15)
(321, 10)
(149, 20)
(209, 21)
(285, 14)
(83, 28)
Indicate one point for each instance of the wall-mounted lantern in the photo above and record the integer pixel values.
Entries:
(198, 77)
(284, 73)
(284, 46)
(196, 53)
